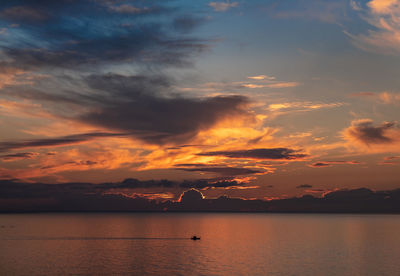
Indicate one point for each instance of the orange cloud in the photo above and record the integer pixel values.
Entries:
(389, 98)
(277, 109)
(24, 109)
(271, 85)
(382, 6)
(302, 106)
(321, 164)
(385, 38)
(8, 76)
(382, 97)
(261, 77)
(390, 160)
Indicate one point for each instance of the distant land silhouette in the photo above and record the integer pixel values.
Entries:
(86, 197)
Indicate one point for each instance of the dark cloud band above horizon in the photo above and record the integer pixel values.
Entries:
(267, 154)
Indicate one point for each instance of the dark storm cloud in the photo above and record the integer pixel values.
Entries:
(139, 104)
(144, 106)
(58, 141)
(364, 131)
(273, 153)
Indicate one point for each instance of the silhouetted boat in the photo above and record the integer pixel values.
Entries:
(195, 238)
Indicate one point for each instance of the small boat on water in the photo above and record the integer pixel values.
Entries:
(195, 238)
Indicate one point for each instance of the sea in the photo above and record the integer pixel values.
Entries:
(230, 244)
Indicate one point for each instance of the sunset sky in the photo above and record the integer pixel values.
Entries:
(283, 98)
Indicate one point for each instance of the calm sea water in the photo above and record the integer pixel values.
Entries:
(231, 244)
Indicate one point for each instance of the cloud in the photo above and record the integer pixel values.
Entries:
(129, 187)
(261, 77)
(381, 97)
(330, 163)
(150, 196)
(137, 8)
(187, 23)
(9, 75)
(24, 14)
(365, 132)
(383, 16)
(223, 6)
(283, 108)
(33, 197)
(56, 142)
(304, 186)
(118, 77)
(68, 45)
(85, 84)
(142, 45)
(127, 9)
(201, 184)
(224, 171)
(302, 106)
(206, 184)
(382, 6)
(320, 164)
(266, 154)
(325, 11)
(361, 193)
(132, 183)
(355, 5)
(272, 85)
(260, 81)
(130, 9)
(389, 98)
(18, 156)
(157, 114)
(153, 117)
(390, 160)
(392, 157)
(362, 94)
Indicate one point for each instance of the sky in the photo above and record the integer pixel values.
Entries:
(272, 99)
